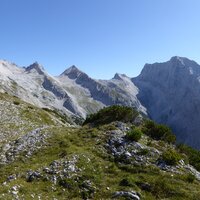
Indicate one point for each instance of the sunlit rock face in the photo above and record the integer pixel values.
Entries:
(73, 92)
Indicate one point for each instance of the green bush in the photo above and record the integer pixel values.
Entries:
(134, 134)
(143, 152)
(193, 155)
(111, 114)
(171, 157)
(161, 188)
(16, 102)
(127, 182)
(190, 178)
(158, 132)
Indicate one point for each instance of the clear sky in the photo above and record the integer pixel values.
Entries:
(100, 37)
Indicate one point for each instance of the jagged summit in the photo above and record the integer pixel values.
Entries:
(4, 62)
(176, 66)
(7, 68)
(180, 61)
(35, 67)
(119, 76)
(72, 72)
(178, 58)
(183, 61)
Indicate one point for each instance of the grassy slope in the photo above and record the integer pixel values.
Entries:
(95, 163)
(17, 115)
(99, 168)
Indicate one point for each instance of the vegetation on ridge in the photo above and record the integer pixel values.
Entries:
(111, 114)
(158, 132)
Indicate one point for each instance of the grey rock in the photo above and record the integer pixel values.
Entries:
(14, 188)
(54, 179)
(11, 178)
(128, 154)
(138, 120)
(193, 171)
(131, 195)
(28, 142)
(32, 175)
(122, 126)
(181, 162)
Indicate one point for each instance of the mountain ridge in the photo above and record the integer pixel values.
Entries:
(170, 92)
(163, 91)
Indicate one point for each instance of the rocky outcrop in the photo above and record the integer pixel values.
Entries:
(27, 144)
(127, 152)
(130, 195)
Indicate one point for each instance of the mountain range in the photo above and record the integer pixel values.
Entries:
(168, 92)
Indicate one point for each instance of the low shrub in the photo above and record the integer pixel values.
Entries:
(134, 134)
(30, 107)
(161, 188)
(190, 178)
(16, 102)
(111, 114)
(171, 157)
(193, 155)
(158, 132)
(143, 152)
(127, 182)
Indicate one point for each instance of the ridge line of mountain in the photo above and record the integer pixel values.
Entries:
(167, 92)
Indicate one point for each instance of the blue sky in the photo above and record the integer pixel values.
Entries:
(100, 37)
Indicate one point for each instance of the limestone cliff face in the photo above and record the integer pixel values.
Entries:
(171, 93)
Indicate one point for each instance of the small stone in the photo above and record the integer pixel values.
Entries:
(182, 162)
(72, 168)
(131, 195)
(11, 177)
(128, 154)
(4, 183)
(14, 192)
(54, 179)
(46, 169)
(14, 188)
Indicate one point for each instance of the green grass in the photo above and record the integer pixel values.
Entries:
(106, 176)
(95, 164)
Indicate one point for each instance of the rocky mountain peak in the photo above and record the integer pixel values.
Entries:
(72, 72)
(35, 67)
(8, 68)
(178, 59)
(176, 67)
(119, 76)
(186, 63)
